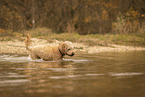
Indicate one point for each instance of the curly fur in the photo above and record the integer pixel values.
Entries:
(50, 53)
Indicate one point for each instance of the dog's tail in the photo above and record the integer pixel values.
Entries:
(27, 42)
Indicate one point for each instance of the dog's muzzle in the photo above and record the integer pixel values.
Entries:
(72, 54)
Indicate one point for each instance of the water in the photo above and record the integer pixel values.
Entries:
(96, 75)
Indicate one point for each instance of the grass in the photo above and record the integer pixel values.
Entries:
(133, 39)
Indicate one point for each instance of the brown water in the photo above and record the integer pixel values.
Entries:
(98, 75)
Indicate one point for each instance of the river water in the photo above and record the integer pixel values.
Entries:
(84, 75)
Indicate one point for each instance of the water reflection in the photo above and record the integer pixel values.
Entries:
(41, 77)
(100, 75)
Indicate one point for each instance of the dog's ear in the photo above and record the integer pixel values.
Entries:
(62, 48)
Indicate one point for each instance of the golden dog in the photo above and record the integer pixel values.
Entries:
(50, 53)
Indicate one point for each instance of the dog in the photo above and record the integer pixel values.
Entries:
(50, 53)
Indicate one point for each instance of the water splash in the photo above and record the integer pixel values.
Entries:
(16, 58)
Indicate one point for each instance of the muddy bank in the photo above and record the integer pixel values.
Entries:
(18, 47)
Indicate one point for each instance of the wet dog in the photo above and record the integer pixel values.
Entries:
(50, 53)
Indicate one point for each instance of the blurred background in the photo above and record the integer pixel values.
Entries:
(81, 16)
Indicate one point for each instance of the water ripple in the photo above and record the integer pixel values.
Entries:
(126, 74)
(14, 82)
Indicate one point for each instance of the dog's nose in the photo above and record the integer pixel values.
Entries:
(73, 54)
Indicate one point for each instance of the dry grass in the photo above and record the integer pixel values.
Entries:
(134, 39)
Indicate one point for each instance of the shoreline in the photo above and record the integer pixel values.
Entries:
(18, 47)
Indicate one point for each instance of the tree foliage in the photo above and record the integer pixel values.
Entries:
(82, 16)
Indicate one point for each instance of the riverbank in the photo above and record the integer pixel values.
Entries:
(13, 42)
(18, 47)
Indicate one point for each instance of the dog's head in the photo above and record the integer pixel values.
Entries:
(66, 48)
